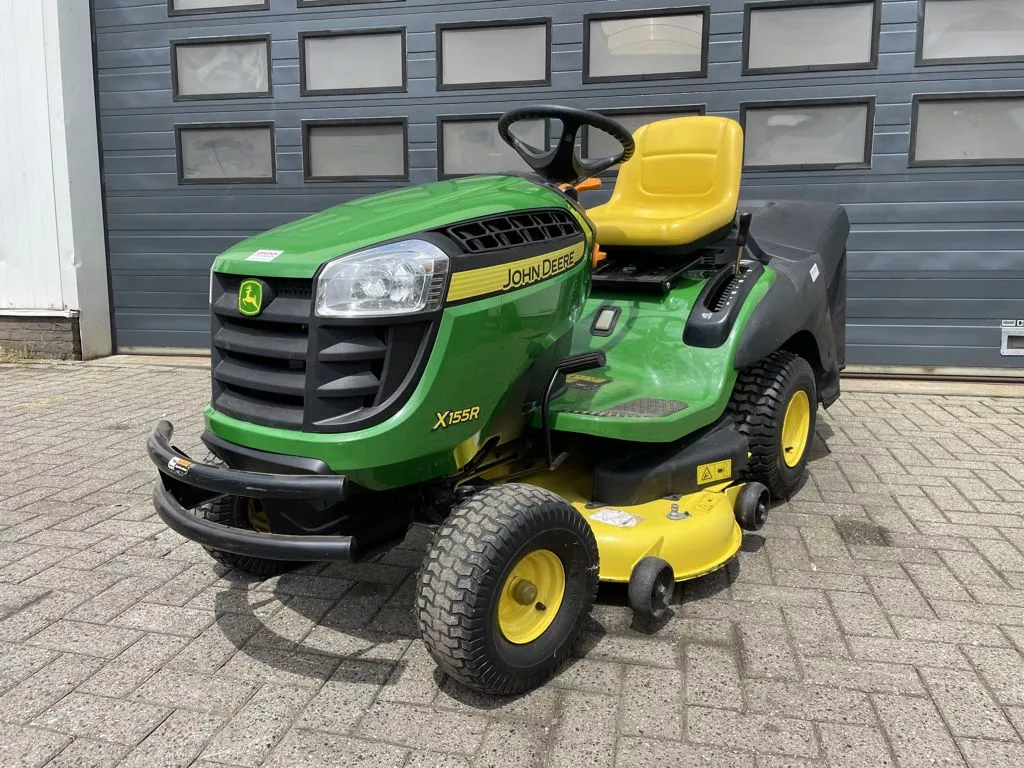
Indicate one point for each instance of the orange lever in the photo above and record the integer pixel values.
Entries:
(598, 256)
(584, 186)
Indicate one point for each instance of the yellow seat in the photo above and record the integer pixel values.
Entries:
(680, 187)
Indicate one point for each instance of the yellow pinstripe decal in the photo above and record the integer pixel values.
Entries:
(516, 274)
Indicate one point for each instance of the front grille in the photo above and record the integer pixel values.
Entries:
(494, 233)
(287, 368)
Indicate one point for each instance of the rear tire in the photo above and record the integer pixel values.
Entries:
(505, 588)
(775, 405)
(240, 512)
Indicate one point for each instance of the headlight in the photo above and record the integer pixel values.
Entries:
(395, 279)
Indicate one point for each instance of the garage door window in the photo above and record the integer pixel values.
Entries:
(175, 7)
(598, 144)
(809, 135)
(652, 46)
(961, 130)
(314, 3)
(472, 145)
(475, 55)
(225, 152)
(970, 31)
(343, 150)
(805, 37)
(371, 61)
(221, 68)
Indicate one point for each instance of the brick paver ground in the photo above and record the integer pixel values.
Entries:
(878, 621)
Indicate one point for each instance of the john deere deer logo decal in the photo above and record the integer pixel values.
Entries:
(250, 297)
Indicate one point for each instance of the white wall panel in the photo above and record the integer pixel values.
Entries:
(29, 253)
(52, 251)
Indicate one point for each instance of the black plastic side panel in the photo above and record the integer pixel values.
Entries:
(837, 305)
(639, 476)
(806, 243)
(525, 395)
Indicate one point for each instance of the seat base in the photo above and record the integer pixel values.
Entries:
(660, 250)
(647, 275)
(655, 270)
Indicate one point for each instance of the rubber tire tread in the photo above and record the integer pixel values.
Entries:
(227, 510)
(758, 407)
(639, 589)
(462, 567)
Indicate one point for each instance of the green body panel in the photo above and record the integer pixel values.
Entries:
(482, 349)
(307, 243)
(648, 359)
(486, 349)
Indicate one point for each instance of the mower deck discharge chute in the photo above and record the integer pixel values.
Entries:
(568, 395)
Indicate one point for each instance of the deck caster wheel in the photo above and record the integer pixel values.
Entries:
(752, 506)
(505, 588)
(650, 588)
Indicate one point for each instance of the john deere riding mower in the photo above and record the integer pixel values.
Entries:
(567, 394)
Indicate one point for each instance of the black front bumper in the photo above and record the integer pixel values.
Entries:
(186, 484)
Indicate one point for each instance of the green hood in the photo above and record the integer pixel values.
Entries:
(307, 243)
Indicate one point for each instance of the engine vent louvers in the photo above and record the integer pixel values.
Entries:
(495, 233)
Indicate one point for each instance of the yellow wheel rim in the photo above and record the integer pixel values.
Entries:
(796, 427)
(531, 596)
(257, 517)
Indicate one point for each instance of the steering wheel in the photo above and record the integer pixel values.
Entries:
(563, 164)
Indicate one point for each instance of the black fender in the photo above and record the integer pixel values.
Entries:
(804, 310)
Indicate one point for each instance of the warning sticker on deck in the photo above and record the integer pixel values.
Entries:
(616, 517)
(707, 503)
(716, 470)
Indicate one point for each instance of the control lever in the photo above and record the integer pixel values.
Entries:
(741, 238)
(577, 363)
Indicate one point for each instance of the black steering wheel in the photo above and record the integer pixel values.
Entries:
(563, 164)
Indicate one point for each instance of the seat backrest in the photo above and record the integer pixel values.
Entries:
(687, 163)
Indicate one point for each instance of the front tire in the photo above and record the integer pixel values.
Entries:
(775, 405)
(242, 512)
(505, 588)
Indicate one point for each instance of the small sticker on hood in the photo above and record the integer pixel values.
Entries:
(814, 273)
(616, 517)
(263, 255)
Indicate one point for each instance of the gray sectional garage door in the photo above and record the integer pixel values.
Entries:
(222, 118)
